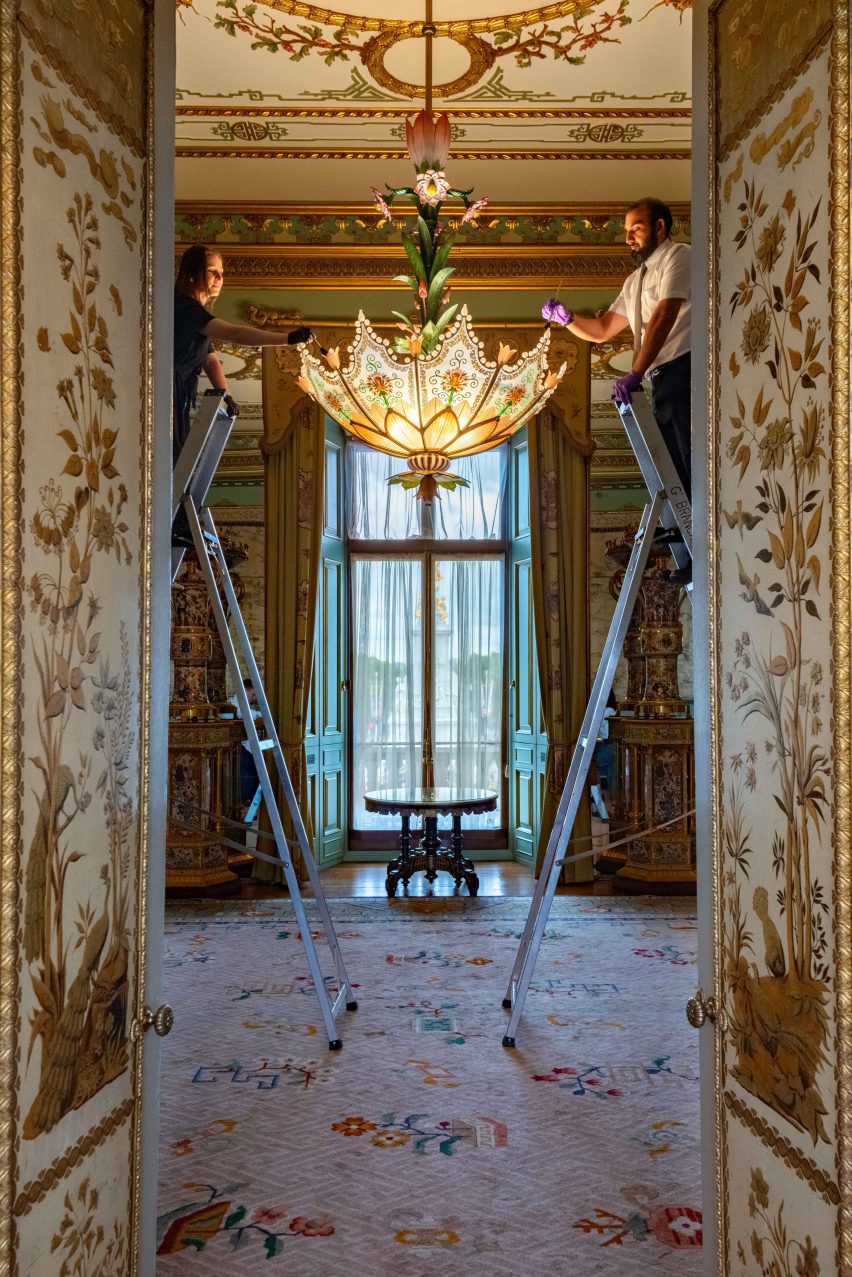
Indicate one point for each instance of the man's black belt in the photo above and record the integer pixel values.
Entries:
(672, 363)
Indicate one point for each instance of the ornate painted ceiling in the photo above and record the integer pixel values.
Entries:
(551, 104)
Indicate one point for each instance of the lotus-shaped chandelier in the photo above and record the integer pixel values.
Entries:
(429, 395)
(429, 410)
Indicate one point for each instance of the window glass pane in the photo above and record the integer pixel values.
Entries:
(468, 677)
(387, 708)
(377, 511)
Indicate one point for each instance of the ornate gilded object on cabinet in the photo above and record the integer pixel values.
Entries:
(652, 737)
(203, 747)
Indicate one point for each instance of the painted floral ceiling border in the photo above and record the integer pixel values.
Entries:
(567, 32)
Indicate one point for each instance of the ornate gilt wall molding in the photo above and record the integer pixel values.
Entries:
(38, 1188)
(10, 612)
(841, 232)
(336, 267)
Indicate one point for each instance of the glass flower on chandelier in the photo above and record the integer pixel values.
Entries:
(430, 395)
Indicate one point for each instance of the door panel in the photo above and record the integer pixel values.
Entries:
(83, 587)
(527, 743)
(329, 712)
(772, 681)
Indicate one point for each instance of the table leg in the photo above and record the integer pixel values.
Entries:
(430, 845)
(460, 866)
(401, 866)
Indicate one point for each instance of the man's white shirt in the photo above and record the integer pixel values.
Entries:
(668, 275)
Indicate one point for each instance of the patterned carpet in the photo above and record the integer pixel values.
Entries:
(424, 1147)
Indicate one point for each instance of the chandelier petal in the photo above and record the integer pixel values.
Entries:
(402, 432)
(480, 437)
(441, 429)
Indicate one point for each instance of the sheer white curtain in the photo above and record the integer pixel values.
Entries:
(387, 718)
(387, 628)
(468, 664)
(383, 512)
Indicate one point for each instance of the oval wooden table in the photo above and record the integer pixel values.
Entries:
(431, 854)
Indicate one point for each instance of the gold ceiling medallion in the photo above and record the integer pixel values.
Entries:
(406, 28)
(373, 54)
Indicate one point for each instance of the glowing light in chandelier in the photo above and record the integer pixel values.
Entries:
(429, 396)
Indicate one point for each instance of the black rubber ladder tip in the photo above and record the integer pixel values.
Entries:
(335, 1045)
(352, 1006)
(507, 1041)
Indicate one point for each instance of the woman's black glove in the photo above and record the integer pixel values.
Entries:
(299, 336)
(231, 406)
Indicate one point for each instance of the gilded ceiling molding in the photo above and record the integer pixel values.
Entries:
(455, 112)
(597, 215)
(339, 267)
(398, 153)
(10, 614)
(404, 28)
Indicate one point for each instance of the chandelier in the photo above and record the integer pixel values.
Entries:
(430, 395)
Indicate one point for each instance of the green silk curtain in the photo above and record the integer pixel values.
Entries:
(294, 451)
(559, 458)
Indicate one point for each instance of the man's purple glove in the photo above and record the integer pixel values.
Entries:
(555, 313)
(624, 388)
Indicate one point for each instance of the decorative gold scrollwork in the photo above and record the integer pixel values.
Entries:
(160, 1021)
(699, 1009)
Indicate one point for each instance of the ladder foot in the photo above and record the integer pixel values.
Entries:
(507, 1041)
(507, 1003)
(351, 1006)
(335, 1045)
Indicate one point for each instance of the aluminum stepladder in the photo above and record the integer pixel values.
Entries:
(669, 506)
(193, 474)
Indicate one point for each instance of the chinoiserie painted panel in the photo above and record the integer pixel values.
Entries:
(779, 1103)
(81, 231)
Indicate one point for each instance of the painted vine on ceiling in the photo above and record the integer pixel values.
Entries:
(291, 79)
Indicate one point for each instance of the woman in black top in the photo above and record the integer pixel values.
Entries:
(199, 281)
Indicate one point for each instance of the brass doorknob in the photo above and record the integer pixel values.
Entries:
(699, 1009)
(160, 1021)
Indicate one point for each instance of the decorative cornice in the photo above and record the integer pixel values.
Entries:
(463, 112)
(399, 153)
(477, 267)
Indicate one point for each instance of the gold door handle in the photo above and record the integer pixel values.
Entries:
(699, 1009)
(160, 1021)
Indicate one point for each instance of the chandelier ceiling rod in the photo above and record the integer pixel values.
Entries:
(429, 35)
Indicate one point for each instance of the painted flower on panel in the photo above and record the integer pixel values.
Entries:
(771, 243)
(756, 334)
(773, 444)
